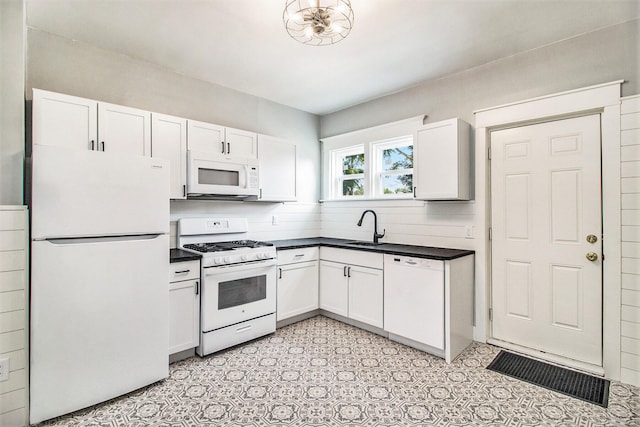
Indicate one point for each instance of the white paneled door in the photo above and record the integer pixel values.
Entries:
(546, 243)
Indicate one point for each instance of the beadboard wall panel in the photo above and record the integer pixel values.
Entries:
(14, 314)
(266, 221)
(630, 244)
(404, 221)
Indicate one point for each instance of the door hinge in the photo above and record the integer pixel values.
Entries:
(491, 314)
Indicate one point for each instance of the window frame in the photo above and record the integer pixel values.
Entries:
(364, 137)
(378, 173)
(338, 177)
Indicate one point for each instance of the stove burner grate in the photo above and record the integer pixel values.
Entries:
(225, 246)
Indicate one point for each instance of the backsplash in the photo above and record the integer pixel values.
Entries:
(267, 221)
(408, 222)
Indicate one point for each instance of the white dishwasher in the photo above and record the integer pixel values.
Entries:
(414, 299)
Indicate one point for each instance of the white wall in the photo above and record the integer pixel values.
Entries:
(292, 220)
(11, 101)
(605, 55)
(61, 65)
(630, 221)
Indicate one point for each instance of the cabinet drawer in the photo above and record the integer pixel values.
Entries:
(347, 256)
(187, 270)
(289, 256)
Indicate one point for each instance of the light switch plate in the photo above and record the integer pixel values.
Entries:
(4, 369)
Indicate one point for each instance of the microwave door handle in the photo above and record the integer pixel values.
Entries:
(245, 182)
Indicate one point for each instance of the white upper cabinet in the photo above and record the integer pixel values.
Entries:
(205, 137)
(84, 124)
(241, 143)
(170, 142)
(124, 130)
(64, 121)
(442, 163)
(277, 179)
(210, 138)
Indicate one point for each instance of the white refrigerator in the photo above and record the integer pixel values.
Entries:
(99, 277)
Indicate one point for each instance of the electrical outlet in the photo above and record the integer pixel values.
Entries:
(468, 232)
(4, 369)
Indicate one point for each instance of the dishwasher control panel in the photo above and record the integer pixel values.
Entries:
(406, 261)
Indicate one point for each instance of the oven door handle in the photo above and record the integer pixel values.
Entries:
(211, 271)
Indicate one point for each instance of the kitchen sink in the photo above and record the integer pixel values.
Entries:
(359, 243)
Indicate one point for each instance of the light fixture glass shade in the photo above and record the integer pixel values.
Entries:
(318, 22)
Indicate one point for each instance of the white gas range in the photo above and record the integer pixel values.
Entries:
(238, 293)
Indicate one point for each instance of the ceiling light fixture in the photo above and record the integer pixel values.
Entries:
(318, 22)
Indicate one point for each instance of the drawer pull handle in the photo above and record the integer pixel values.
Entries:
(182, 271)
(244, 328)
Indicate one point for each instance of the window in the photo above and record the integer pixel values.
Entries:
(348, 172)
(381, 169)
(393, 167)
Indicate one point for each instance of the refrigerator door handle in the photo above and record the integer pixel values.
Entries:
(101, 239)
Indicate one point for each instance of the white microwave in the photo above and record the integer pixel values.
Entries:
(214, 176)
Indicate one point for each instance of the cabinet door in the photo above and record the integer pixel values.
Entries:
(64, 121)
(170, 142)
(442, 161)
(124, 130)
(277, 159)
(241, 143)
(366, 295)
(205, 137)
(297, 289)
(184, 303)
(333, 287)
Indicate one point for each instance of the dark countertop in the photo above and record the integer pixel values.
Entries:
(430, 252)
(178, 255)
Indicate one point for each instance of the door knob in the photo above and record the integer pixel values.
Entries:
(591, 238)
(592, 256)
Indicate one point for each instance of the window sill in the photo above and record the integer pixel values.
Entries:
(374, 199)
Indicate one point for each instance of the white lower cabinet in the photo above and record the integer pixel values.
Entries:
(351, 284)
(297, 282)
(184, 305)
(334, 288)
(366, 295)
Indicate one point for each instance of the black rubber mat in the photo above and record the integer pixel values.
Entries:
(576, 384)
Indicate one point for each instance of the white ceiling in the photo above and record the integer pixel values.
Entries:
(394, 44)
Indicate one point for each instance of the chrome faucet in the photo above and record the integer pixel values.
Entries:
(376, 236)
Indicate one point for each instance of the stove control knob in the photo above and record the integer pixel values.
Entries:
(245, 257)
(227, 259)
(264, 255)
(217, 261)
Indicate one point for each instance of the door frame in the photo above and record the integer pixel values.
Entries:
(605, 100)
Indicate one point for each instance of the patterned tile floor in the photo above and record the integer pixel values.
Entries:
(321, 372)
